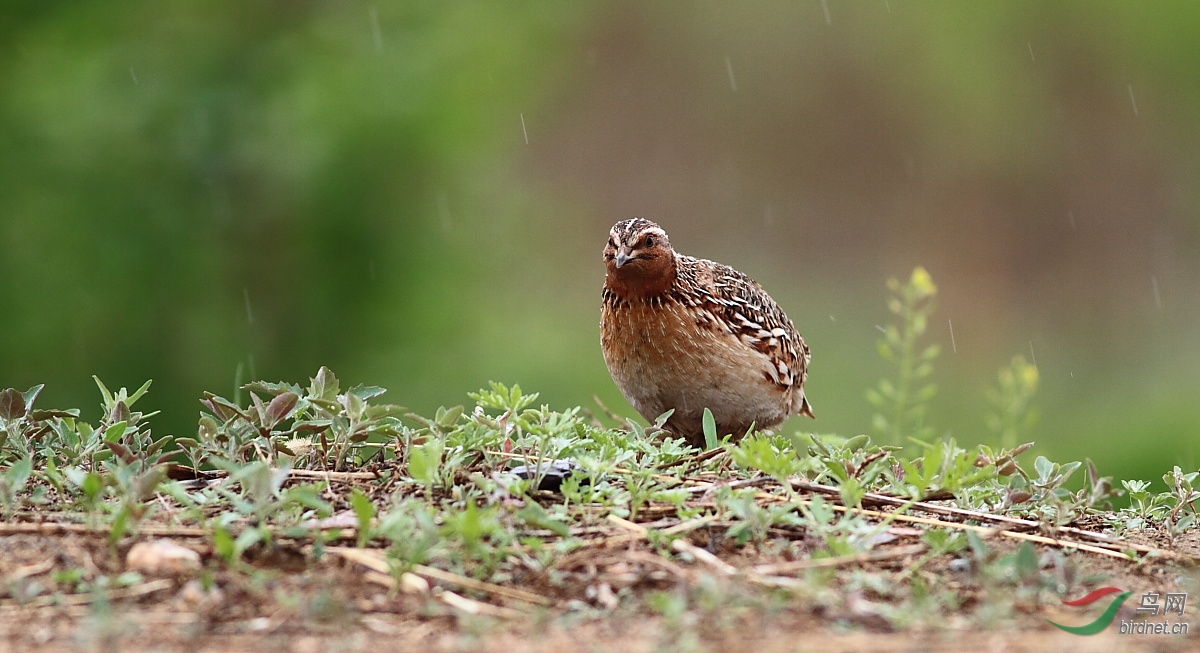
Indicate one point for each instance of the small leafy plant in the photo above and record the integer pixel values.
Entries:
(903, 403)
(1011, 401)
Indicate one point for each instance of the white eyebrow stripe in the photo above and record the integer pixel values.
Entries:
(636, 238)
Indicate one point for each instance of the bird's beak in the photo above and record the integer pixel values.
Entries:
(624, 255)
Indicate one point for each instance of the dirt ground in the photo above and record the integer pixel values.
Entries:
(291, 601)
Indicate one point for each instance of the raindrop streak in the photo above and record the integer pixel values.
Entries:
(1031, 57)
(376, 33)
(732, 81)
(523, 130)
(825, 8)
(1154, 284)
(1032, 355)
(1133, 100)
(953, 346)
(1071, 218)
(133, 75)
(249, 313)
(888, 4)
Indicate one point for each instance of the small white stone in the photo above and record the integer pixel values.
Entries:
(157, 557)
(411, 583)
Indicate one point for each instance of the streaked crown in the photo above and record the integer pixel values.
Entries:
(631, 232)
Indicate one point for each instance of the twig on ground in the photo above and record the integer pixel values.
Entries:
(84, 598)
(679, 546)
(877, 555)
(375, 561)
(1024, 524)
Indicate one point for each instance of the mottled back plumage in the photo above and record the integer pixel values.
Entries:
(686, 334)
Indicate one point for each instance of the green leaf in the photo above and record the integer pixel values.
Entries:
(851, 491)
(379, 411)
(31, 395)
(223, 543)
(114, 432)
(138, 394)
(260, 409)
(886, 389)
(108, 396)
(710, 429)
(424, 461)
(927, 393)
(157, 445)
(354, 406)
(245, 540)
(885, 351)
(448, 417)
(1026, 561)
(18, 474)
(919, 322)
(857, 442)
(1043, 466)
(536, 516)
(50, 413)
(117, 526)
(147, 483)
(324, 385)
(89, 483)
(366, 392)
(1067, 469)
(309, 496)
(364, 511)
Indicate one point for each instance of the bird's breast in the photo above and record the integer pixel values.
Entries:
(671, 355)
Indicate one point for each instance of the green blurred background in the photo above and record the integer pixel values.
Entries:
(416, 195)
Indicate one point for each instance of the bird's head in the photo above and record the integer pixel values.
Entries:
(638, 258)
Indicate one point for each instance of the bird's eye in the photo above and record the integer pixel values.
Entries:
(649, 242)
(610, 242)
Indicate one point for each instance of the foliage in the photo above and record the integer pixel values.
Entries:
(288, 460)
(315, 427)
(1018, 384)
(903, 403)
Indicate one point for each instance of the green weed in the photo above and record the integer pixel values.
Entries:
(902, 403)
(440, 492)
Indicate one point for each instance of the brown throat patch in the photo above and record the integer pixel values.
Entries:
(641, 278)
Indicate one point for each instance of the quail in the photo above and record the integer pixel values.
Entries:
(685, 334)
